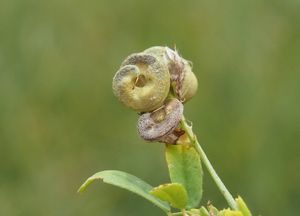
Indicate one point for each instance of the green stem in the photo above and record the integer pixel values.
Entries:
(229, 198)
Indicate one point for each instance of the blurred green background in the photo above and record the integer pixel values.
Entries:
(60, 123)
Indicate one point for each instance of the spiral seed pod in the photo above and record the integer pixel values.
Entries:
(142, 83)
(160, 52)
(161, 124)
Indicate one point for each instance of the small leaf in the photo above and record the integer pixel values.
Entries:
(185, 168)
(198, 212)
(173, 193)
(203, 211)
(213, 211)
(128, 182)
(242, 206)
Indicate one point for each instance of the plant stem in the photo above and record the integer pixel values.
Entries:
(229, 198)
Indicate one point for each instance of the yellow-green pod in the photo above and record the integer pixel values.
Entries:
(189, 84)
(159, 52)
(183, 80)
(142, 83)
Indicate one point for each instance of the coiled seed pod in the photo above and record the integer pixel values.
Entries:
(160, 125)
(142, 83)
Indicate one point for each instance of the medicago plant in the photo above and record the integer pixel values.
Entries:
(156, 83)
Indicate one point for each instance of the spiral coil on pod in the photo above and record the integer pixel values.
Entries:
(142, 83)
(160, 124)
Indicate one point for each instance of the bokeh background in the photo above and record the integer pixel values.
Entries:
(60, 123)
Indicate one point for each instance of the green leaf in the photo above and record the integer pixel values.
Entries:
(173, 193)
(203, 211)
(185, 168)
(128, 182)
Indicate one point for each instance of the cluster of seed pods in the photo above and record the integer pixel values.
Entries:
(156, 83)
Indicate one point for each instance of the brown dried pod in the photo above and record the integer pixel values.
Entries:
(160, 125)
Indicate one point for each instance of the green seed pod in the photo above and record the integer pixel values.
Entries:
(189, 84)
(142, 83)
(183, 80)
(159, 52)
